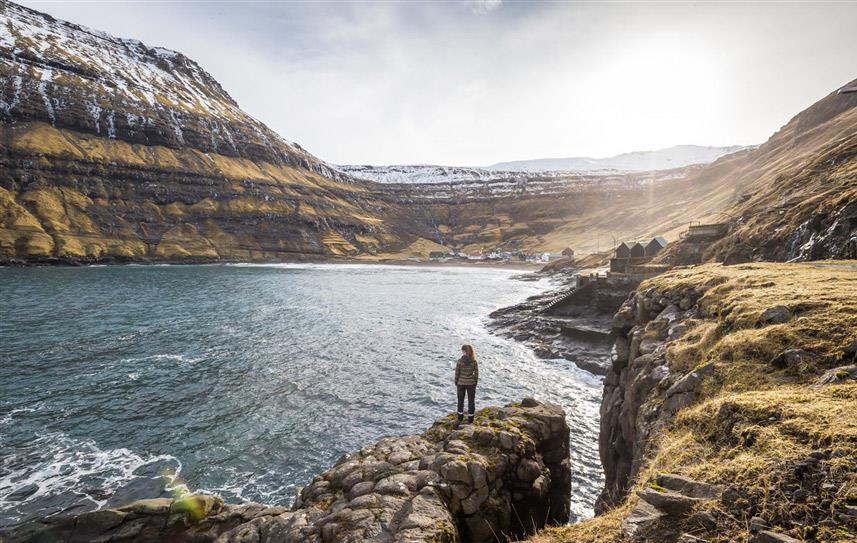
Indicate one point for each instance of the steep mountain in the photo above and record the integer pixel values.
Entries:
(112, 149)
(677, 156)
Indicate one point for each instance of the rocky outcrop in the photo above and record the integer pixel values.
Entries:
(506, 475)
(663, 511)
(573, 322)
(641, 392)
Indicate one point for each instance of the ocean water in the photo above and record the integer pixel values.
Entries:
(119, 383)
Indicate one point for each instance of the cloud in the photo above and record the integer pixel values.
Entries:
(416, 82)
(481, 7)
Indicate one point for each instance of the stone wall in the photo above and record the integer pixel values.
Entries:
(504, 476)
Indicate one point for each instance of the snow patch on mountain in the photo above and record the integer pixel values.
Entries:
(564, 168)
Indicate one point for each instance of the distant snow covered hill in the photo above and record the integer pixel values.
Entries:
(424, 173)
(641, 161)
(638, 161)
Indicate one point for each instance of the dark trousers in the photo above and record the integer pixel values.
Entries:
(470, 390)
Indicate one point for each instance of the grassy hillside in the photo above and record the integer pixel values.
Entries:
(795, 196)
(784, 448)
(69, 195)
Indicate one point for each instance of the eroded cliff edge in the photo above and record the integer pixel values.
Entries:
(729, 409)
(506, 475)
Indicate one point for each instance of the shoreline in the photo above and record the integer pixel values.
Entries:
(74, 263)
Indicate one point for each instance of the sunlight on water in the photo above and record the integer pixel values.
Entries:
(246, 380)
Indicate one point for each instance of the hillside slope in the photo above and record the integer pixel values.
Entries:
(110, 149)
(795, 196)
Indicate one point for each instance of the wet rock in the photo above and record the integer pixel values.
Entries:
(22, 493)
(777, 314)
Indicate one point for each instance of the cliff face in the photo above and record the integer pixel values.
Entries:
(727, 412)
(110, 149)
(505, 475)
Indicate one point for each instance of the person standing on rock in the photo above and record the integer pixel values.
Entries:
(466, 377)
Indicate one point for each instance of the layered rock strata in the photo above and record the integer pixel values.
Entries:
(504, 476)
(641, 393)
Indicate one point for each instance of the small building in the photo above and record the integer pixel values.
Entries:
(656, 245)
(624, 249)
(475, 255)
(638, 250)
(568, 252)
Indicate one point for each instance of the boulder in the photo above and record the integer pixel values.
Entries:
(689, 487)
(777, 314)
(671, 503)
(837, 376)
(792, 358)
(642, 517)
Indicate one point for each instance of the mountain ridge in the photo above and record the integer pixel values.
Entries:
(676, 156)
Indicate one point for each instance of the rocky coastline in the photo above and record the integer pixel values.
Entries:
(506, 475)
(573, 321)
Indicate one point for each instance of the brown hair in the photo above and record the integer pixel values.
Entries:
(468, 350)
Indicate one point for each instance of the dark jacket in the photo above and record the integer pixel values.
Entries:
(466, 371)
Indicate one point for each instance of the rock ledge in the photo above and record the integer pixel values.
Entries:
(506, 475)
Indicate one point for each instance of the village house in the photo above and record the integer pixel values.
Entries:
(638, 250)
(623, 250)
(634, 253)
(655, 245)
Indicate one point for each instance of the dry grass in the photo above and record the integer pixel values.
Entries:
(755, 424)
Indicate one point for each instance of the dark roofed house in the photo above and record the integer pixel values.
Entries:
(623, 250)
(568, 251)
(655, 245)
(638, 250)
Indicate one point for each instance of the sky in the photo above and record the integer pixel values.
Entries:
(475, 82)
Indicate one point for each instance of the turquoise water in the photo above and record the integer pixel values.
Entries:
(118, 383)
